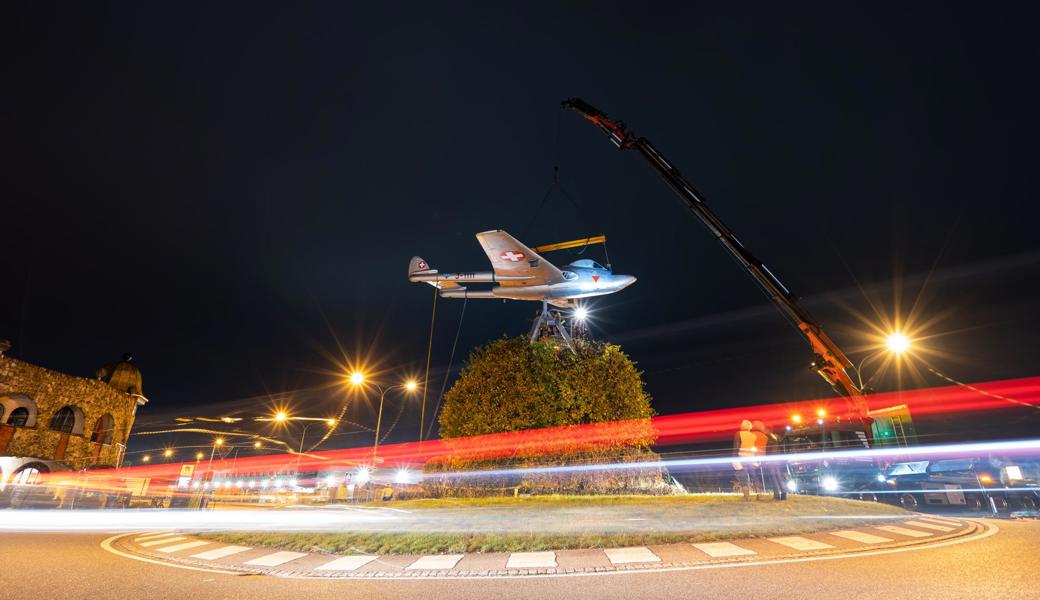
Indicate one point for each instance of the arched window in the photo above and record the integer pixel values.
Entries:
(64, 420)
(103, 430)
(19, 417)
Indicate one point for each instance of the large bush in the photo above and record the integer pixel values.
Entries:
(584, 408)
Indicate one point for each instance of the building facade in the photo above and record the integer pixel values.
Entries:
(49, 419)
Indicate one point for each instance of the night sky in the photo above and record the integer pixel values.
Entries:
(232, 192)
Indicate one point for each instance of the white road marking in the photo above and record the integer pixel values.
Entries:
(800, 543)
(162, 541)
(859, 536)
(184, 546)
(531, 560)
(989, 530)
(152, 536)
(941, 521)
(436, 561)
(106, 545)
(718, 549)
(932, 526)
(220, 552)
(619, 556)
(903, 531)
(275, 559)
(346, 563)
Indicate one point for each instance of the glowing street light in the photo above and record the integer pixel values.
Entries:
(357, 378)
(821, 413)
(409, 386)
(218, 442)
(796, 419)
(198, 456)
(898, 343)
(281, 416)
(168, 452)
(146, 458)
(581, 313)
(257, 444)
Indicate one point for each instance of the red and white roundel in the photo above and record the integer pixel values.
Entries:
(422, 265)
(513, 256)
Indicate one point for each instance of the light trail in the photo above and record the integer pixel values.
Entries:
(574, 441)
(943, 450)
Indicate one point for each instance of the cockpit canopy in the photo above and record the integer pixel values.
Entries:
(587, 263)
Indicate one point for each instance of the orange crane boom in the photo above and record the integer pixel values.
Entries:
(829, 361)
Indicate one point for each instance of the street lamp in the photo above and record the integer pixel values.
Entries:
(146, 458)
(897, 343)
(168, 453)
(209, 467)
(358, 378)
(281, 416)
(303, 436)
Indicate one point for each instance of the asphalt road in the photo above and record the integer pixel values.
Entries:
(1005, 565)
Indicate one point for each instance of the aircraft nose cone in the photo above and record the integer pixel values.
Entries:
(627, 280)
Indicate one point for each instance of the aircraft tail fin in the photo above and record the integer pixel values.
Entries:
(418, 265)
(420, 271)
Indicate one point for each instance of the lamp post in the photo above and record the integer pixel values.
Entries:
(357, 378)
(897, 343)
(303, 436)
(209, 468)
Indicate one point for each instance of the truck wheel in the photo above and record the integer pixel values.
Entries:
(908, 501)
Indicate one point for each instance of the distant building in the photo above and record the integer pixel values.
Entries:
(50, 421)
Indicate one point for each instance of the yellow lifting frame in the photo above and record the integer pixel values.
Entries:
(596, 239)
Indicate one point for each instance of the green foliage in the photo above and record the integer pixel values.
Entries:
(512, 385)
(534, 405)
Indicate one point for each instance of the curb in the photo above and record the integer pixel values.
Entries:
(967, 530)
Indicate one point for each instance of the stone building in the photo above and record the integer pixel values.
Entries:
(50, 419)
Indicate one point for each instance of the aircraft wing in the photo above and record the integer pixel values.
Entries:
(509, 257)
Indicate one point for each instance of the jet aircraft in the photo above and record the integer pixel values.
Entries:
(521, 274)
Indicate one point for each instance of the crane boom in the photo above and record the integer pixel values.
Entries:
(830, 362)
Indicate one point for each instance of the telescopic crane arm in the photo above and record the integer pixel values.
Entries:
(830, 362)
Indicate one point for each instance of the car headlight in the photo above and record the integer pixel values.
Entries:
(792, 486)
(830, 484)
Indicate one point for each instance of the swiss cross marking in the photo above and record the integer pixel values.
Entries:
(422, 265)
(512, 256)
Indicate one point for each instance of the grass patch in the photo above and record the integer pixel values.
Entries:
(561, 522)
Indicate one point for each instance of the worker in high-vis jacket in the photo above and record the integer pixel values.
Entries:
(745, 447)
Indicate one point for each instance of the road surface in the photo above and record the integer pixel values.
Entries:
(1004, 565)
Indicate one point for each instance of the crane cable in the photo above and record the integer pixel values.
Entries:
(429, 353)
(447, 372)
(975, 389)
